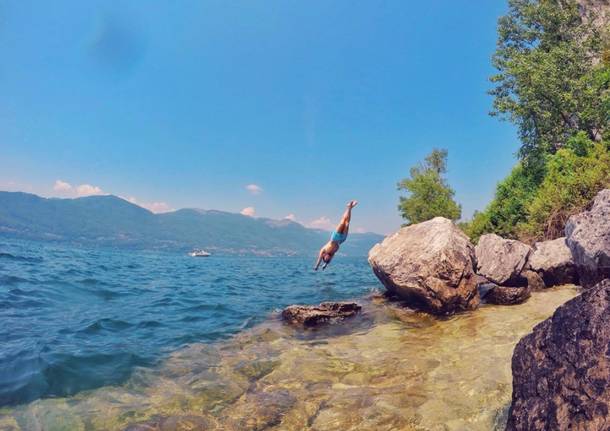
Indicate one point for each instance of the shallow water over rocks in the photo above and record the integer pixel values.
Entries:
(387, 369)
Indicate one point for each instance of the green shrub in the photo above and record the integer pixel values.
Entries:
(574, 176)
(507, 209)
(536, 207)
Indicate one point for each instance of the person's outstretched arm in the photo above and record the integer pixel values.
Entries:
(326, 264)
(315, 268)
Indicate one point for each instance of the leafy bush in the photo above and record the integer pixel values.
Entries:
(507, 209)
(530, 209)
(574, 176)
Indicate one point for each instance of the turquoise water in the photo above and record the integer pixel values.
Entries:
(76, 319)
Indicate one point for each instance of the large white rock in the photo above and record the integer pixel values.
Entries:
(501, 260)
(430, 265)
(553, 261)
(588, 237)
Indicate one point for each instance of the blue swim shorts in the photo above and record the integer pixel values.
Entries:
(338, 237)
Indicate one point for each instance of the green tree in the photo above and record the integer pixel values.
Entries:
(553, 82)
(550, 82)
(429, 194)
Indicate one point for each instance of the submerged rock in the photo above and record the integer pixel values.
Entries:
(553, 261)
(314, 315)
(173, 423)
(504, 295)
(588, 237)
(430, 265)
(501, 260)
(561, 371)
(261, 410)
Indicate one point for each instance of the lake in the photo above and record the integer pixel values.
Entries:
(143, 341)
(76, 318)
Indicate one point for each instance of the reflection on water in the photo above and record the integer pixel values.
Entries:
(389, 369)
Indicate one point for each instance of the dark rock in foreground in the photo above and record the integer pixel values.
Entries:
(553, 261)
(503, 295)
(561, 371)
(501, 260)
(430, 265)
(314, 315)
(588, 237)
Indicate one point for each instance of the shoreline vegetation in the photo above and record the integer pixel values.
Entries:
(553, 83)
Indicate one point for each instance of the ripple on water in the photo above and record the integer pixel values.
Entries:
(101, 325)
(9, 256)
(11, 280)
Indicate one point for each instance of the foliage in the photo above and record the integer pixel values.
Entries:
(526, 208)
(549, 82)
(507, 209)
(553, 82)
(574, 176)
(429, 194)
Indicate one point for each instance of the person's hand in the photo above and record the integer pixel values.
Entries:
(352, 204)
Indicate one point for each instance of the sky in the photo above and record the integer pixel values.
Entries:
(270, 108)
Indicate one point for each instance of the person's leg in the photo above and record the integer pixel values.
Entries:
(343, 226)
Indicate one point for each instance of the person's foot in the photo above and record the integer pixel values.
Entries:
(352, 204)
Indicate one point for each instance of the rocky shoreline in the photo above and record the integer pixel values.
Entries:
(434, 352)
(561, 372)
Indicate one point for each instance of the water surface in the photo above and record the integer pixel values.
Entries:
(74, 319)
(388, 369)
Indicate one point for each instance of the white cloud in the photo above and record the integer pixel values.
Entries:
(254, 189)
(88, 190)
(360, 230)
(155, 207)
(291, 217)
(64, 188)
(61, 186)
(321, 223)
(248, 211)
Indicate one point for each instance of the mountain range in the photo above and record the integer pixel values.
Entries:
(111, 221)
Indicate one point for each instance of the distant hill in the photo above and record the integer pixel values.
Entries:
(112, 221)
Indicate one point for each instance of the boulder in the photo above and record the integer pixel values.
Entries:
(561, 371)
(314, 315)
(501, 260)
(532, 280)
(588, 237)
(553, 261)
(504, 295)
(430, 265)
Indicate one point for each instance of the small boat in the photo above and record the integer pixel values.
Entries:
(199, 253)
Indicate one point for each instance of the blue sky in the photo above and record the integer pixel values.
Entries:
(311, 103)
